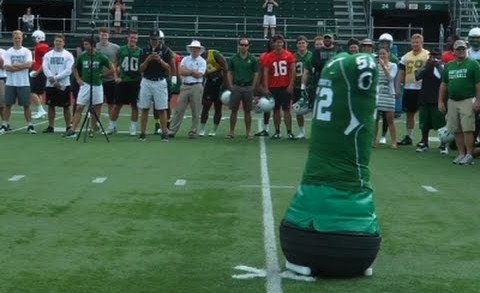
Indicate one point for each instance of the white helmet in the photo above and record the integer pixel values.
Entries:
(225, 97)
(38, 36)
(301, 107)
(474, 32)
(256, 106)
(445, 136)
(266, 103)
(161, 34)
(385, 37)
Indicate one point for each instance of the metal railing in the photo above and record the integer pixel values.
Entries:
(96, 4)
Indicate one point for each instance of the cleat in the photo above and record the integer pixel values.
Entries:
(40, 114)
(466, 160)
(142, 137)
(31, 130)
(300, 136)
(298, 269)
(212, 133)
(262, 133)
(201, 133)
(382, 140)
(276, 135)
(2, 131)
(443, 149)
(192, 134)
(111, 130)
(290, 136)
(49, 129)
(458, 159)
(163, 138)
(406, 141)
(421, 147)
(70, 134)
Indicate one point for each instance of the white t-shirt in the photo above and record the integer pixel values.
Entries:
(58, 64)
(20, 56)
(3, 74)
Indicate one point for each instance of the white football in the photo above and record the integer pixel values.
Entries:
(33, 73)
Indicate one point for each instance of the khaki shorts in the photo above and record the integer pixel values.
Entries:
(460, 116)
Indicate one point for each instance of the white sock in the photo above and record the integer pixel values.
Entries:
(215, 127)
(202, 127)
(302, 130)
(133, 123)
(40, 108)
(265, 127)
(410, 132)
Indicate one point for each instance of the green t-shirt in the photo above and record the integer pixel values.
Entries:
(342, 125)
(461, 79)
(243, 69)
(300, 65)
(129, 63)
(100, 61)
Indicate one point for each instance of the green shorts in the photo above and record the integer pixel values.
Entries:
(430, 117)
(327, 209)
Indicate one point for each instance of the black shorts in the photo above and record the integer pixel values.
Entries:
(282, 98)
(211, 91)
(128, 93)
(37, 84)
(57, 97)
(109, 91)
(411, 102)
(297, 94)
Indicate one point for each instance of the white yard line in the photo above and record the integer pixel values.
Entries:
(180, 182)
(99, 180)
(16, 178)
(274, 280)
(271, 187)
(429, 188)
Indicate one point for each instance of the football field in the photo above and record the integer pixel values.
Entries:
(201, 215)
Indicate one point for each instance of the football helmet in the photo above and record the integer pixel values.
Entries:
(225, 97)
(266, 103)
(38, 36)
(445, 136)
(386, 38)
(301, 107)
(474, 37)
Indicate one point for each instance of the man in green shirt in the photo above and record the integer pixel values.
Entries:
(128, 85)
(461, 80)
(88, 72)
(242, 75)
(302, 56)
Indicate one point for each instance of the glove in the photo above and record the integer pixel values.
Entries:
(174, 81)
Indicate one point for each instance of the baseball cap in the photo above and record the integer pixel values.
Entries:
(366, 42)
(459, 44)
(328, 35)
(156, 34)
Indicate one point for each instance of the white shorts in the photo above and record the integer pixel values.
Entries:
(269, 21)
(153, 91)
(83, 97)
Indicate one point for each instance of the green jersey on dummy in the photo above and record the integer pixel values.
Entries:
(335, 194)
(129, 63)
(100, 61)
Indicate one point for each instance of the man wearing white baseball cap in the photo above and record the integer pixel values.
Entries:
(192, 68)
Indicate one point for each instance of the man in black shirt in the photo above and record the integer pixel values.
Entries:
(156, 64)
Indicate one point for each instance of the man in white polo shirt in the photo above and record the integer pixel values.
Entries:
(192, 68)
(3, 77)
(17, 61)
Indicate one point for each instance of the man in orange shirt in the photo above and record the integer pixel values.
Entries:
(279, 77)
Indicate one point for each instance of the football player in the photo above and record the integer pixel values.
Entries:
(38, 78)
(302, 56)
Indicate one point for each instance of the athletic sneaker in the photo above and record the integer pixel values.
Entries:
(405, 141)
(163, 138)
(466, 160)
(300, 136)
(40, 114)
(382, 140)
(201, 133)
(70, 134)
(262, 133)
(276, 135)
(49, 129)
(290, 136)
(212, 133)
(142, 137)
(422, 147)
(3, 128)
(133, 130)
(458, 159)
(443, 149)
(31, 130)
(2, 131)
(111, 130)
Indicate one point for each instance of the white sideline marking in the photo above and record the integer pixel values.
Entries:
(180, 182)
(274, 281)
(16, 178)
(271, 187)
(429, 188)
(99, 180)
